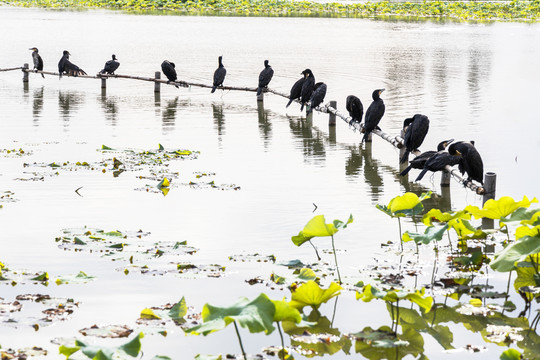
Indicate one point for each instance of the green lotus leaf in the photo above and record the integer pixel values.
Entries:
(286, 312)
(317, 227)
(311, 294)
(68, 350)
(527, 276)
(430, 234)
(405, 205)
(149, 314)
(438, 216)
(534, 220)
(256, 315)
(179, 310)
(523, 231)
(208, 357)
(131, 348)
(511, 354)
(524, 215)
(416, 296)
(41, 277)
(518, 251)
(497, 209)
(305, 274)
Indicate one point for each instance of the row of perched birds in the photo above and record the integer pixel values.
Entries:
(311, 94)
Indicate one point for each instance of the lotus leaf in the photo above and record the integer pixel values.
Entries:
(131, 348)
(285, 312)
(311, 294)
(511, 354)
(317, 227)
(516, 252)
(437, 215)
(430, 234)
(497, 209)
(523, 231)
(417, 296)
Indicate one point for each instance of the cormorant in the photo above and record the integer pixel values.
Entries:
(296, 90)
(416, 129)
(110, 66)
(438, 162)
(67, 67)
(317, 97)
(219, 75)
(168, 69)
(419, 161)
(470, 161)
(374, 113)
(355, 108)
(307, 88)
(264, 77)
(38, 61)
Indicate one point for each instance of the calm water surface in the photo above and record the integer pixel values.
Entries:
(474, 81)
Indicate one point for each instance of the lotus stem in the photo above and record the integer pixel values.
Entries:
(397, 316)
(400, 236)
(449, 241)
(334, 312)
(335, 259)
(282, 356)
(240, 340)
(316, 252)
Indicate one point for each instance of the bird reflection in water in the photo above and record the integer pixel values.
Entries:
(110, 108)
(37, 104)
(219, 119)
(265, 126)
(313, 146)
(69, 102)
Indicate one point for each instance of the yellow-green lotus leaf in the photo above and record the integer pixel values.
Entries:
(311, 294)
(496, 209)
(523, 231)
(406, 201)
(149, 314)
(462, 227)
(285, 312)
(526, 276)
(534, 219)
(437, 215)
(317, 227)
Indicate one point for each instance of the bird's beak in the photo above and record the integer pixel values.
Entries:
(457, 152)
(380, 92)
(448, 142)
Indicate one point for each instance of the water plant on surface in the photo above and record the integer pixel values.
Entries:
(131, 348)
(317, 227)
(408, 204)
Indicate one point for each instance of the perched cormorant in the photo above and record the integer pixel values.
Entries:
(168, 69)
(317, 97)
(219, 75)
(470, 161)
(264, 77)
(374, 113)
(307, 88)
(355, 108)
(67, 67)
(438, 162)
(110, 66)
(296, 90)
(419, 161)
(38, 61)
(416, 129)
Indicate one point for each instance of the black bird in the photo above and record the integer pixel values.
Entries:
(110, 66)
(470, 161)
(416, 129)
(374, 113)
(168, 69)
(307, 88)
(355, 108)
(38, 61)
(264, 77)
(219, 75)
(296, 90)
(67, 67)
(438, 162)
(419, 161)
(317, 97)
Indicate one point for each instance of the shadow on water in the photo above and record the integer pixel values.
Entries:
(110, 108)
(219, 119)
(265, 126)
(313, 147)
(68, 103)
(168, 114)
(37, 104)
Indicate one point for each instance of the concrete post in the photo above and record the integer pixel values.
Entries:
(332, 117)
(157, 87)
(25, 73)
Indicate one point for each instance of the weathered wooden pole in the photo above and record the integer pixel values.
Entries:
(25, 73)
(490, 182)
(332, 116)
(260, 97)
(157, 87)
(103, 83)
(445, 178)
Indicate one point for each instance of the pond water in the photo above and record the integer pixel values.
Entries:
(273, 169)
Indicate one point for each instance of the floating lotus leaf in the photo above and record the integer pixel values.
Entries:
(108, 331)
(497, 209)
(430, 234)
(383, 343)
(131, 348)
(305, 274)
(416, 296)
(256, 315)
(438, 216)
(311, 294)
(80, 278)
(208, 357)
(317, 227)
(516, 252)
(511, 354)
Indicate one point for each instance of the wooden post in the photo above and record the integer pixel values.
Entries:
(25, 73)
(261, 96)
(403, 148)
(103, 83)
(156, 83)
(331, 116)
(445, 178)
(490, 181)
(370, 137)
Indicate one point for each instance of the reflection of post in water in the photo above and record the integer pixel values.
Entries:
(332, 135)
(169, 114)
(68, 102)
(25, 88)
(219, 118)
(37, 104)
(265, 126)
(371, 172)
(312, 141)
(109, 107)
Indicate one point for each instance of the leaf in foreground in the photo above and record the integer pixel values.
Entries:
(311, 294)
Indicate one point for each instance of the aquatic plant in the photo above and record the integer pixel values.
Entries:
(317, 227)
(131, 348)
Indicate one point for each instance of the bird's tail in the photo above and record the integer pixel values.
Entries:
(406, 171)
(405, 157)
(289, 103)
(366, 135)
(259, 91)
(302, 107)
(421, 175)
(213, 89)
(43, 76)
